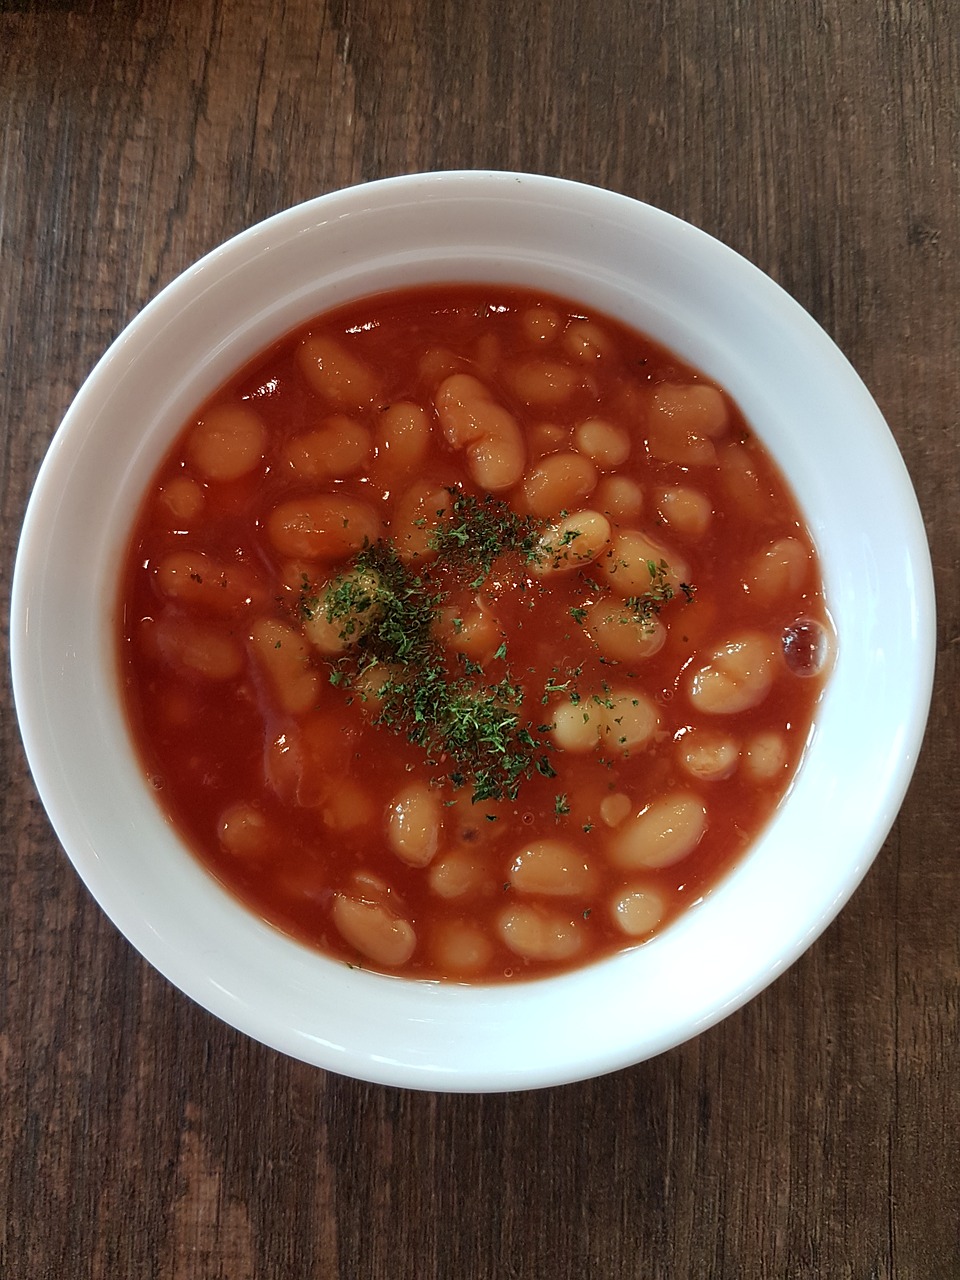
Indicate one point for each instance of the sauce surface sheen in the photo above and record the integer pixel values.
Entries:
(468, 634)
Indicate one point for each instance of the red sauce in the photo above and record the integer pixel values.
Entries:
(645, 776)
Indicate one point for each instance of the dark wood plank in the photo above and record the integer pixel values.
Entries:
(811, 1134)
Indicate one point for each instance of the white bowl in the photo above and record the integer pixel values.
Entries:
(663, 277)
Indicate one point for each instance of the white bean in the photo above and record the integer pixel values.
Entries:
(336, 449)
(620, 634)
(540, 325)
(361, 609)
(619, 497)
(627, 565)
(765, 756)
(457, 874)
(543, 382)
(572, 542)
(326, 526)
(778, 570)
(615, 809)
(737, 675)
(637, 911)
(414, 824)
(682, 422)
(536, 934)
(665, 831)
(402, 436)
(630, 720)
(474, 632)
(284, 655)
(686, 510)
(227, 442)
(473, 421)
(577, 726)
(374, 930)
(420, 512)
(557, 483)
(183, 498)
(336, 374)
(460, 948)
(205, 651)
(551, 867)
(243, 830)
(585, 341)
(708, 755)
(603, 442)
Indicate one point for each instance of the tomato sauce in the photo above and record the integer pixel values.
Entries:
(467, 634)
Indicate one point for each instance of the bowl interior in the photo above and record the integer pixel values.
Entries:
(693, 295)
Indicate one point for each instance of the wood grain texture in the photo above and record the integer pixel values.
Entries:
(814, 1133)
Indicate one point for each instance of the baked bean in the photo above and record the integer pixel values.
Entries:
(627, 565)
(308, 758)
(361, 608)
(338, 448)
(368, 884)
(457, 874)
(665, 831)
(534, 933)
(370, 684)
(621, 635)
(243, 830)
(540, 325)
(572, 542)
(474, 632)
(183, 498)
(335, 373)
(374, 930)
(602, 442)
(765, 755)
(197, 580)
(325, 526)
(736, 676)
(460, 947)
(488, 355)
(741, 481)
(683, 422)
(708, 755)
(199, 649)
(779, 569)
(686, 510)
(473, 421)
(619, 497)
(585, 341)
(284, 655)
(543, 382)
(577, 726)
(421, 511)
(402, 436)
(619, 720)
(630, 720)
(552, 867)
(615, 809)
(438, 363)
(227, 442)
(557, 483)
(546, 438)
(637, 911)
(414, 824)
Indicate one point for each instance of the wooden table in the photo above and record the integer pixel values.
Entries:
(812, 1134)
